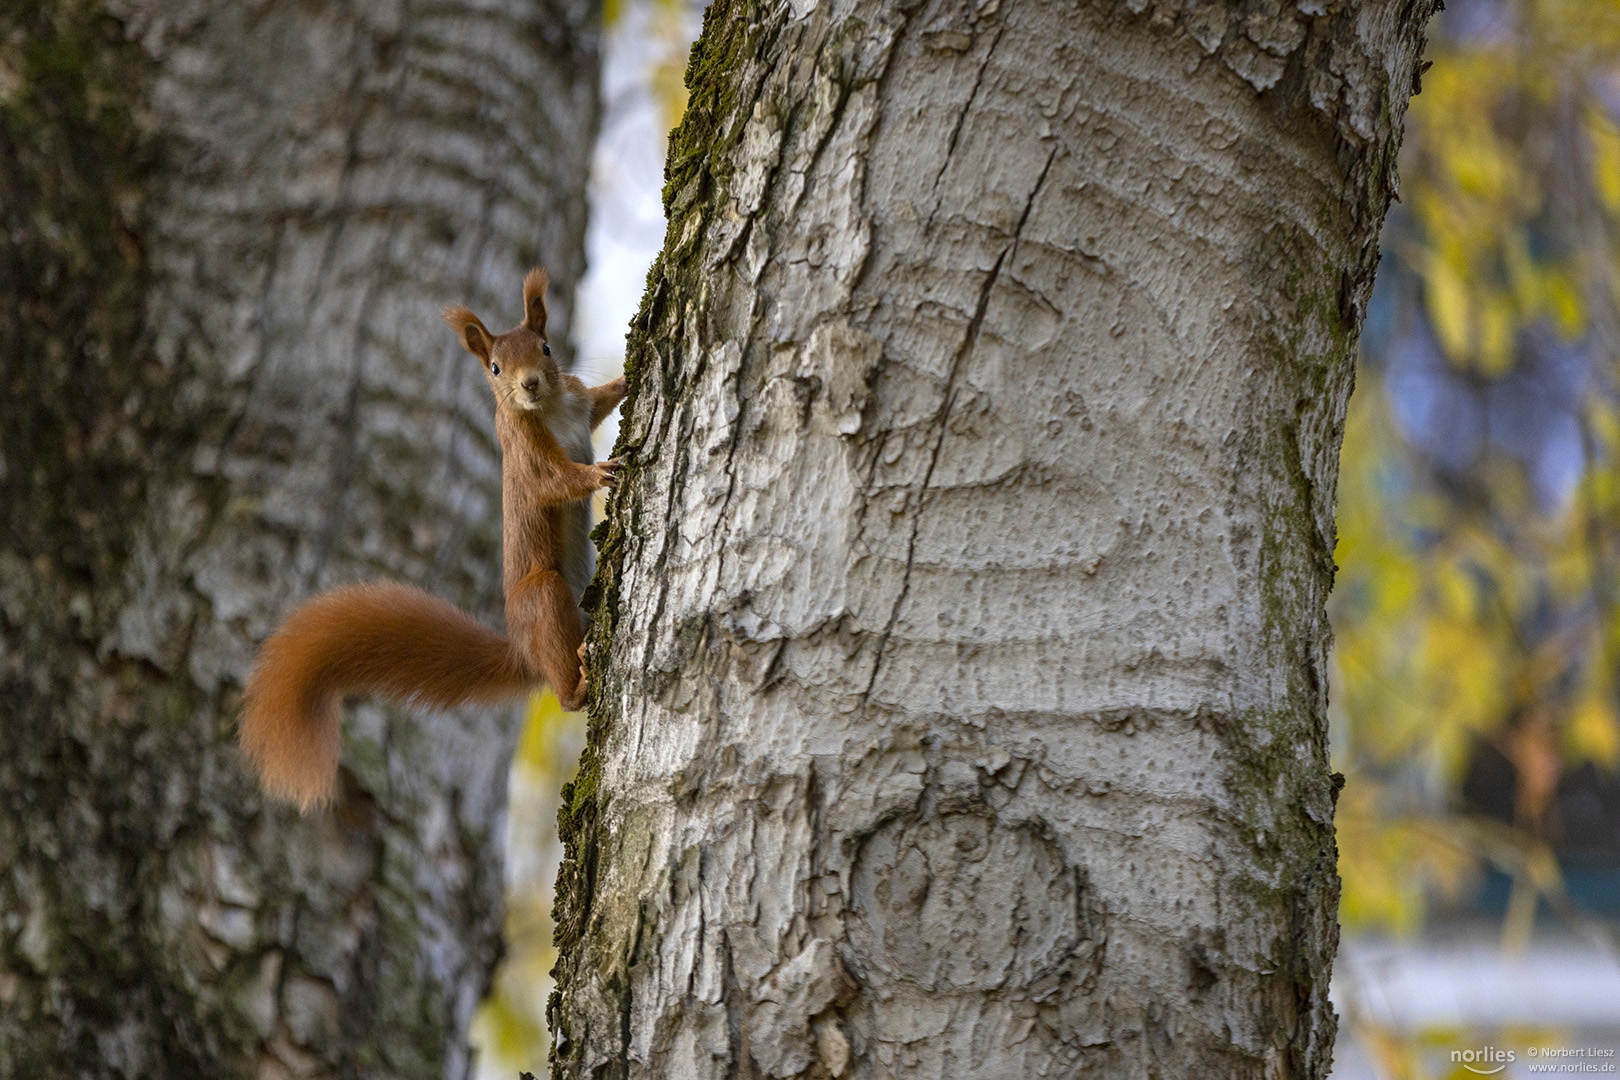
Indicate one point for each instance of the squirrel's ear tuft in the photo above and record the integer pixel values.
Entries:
(534, 301)
(472, 333)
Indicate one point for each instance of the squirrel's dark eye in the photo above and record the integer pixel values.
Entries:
(494, 368)
(544, 348)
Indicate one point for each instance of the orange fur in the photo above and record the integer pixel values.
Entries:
(542, 601)
(400, 643)
(382, 638)
(605, 398)
(534, 301)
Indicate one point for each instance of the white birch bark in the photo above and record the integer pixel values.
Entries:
(229, 230)
(962, 707)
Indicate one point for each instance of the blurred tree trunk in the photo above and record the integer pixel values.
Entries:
(961, 620)
(229, 228)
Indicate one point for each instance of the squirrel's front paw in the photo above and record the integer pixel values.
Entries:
(606, 472)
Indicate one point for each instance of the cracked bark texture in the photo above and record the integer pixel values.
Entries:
(229, 230)
(960, 621)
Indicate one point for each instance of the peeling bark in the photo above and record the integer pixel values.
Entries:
(961, 611)
(229, 229)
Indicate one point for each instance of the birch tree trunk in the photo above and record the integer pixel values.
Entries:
(229, 228)
(961, 706)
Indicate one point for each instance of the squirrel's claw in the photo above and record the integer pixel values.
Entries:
(576, 701)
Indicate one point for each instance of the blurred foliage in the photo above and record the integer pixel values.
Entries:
(668, 26)
(1475, 611)
(510, 1028)
(1478, 534)
(1426, 1055)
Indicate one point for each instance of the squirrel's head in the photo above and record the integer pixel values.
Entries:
(517, 363)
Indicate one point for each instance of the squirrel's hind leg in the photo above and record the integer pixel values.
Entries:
(546, 627)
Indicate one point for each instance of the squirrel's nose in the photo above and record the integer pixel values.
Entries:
(531, 383)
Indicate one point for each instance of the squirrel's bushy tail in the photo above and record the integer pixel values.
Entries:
(391, 640)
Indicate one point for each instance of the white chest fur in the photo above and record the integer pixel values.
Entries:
(570, 424)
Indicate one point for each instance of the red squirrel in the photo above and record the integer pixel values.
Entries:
(399, 642)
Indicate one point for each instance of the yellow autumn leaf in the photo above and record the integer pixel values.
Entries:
(536, 750)
(1449, 309)
(1479, 169)
(502, 1031)
(1603, 423)
(1592, 732)
(1569, 569)
(1458, 594)
(1378, 890)
(1562, 299)
(1606, 166)
(1580, 26)
(1496, 333)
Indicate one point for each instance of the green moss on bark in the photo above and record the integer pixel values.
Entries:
(697, 173)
